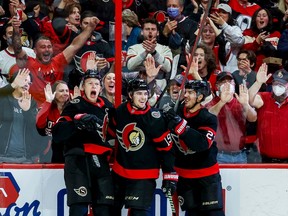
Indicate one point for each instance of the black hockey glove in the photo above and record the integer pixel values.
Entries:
(175, 123)
(169, 183)
(88, 122)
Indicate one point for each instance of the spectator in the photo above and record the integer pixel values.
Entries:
(178, 30)
(132, 28)
(272, 115)
(168, 101)
(20, 142)
(232, 113)
(64, 27)
(31, 17)
(86, 171)
(94, 44)
(46, 68)
(243, 11)
(140, 131)
(104, 11)
(193, 130)
(247, 76)
(231, 36)
(7, 56)
(71, 12)
(282, 47)
(279, 12)
(144, 9)
(246, 62)
(108, 90)
(162, 54)
(261, 38)
(194, 9)
(203, 66)
(57, 97)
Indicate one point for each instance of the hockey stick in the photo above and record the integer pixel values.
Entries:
(169, 196)
(172, 76)
(192, 52)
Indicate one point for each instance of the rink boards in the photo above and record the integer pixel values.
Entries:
(252, 189)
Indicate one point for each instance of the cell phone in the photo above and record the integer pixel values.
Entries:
(264, 30)
(19, 13)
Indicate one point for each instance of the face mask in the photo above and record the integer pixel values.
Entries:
(173, 12)
(232, 88)
(278, 90)
(9, 41)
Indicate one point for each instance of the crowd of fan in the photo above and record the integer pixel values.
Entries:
(47, 46)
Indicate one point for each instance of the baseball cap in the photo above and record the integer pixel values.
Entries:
(223, 75)
(281, 76)
(225, 7)
(178, 78)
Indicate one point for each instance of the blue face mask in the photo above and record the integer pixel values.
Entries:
(173, 12)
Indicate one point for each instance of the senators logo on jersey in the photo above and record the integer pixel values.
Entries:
(131, 138)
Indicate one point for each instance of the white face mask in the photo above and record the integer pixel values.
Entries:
(278, 90)
(232, 88)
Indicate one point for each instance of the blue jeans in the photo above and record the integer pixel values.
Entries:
(232, 157)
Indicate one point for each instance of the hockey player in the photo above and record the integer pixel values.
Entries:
(199, 186)
(86, 172)
(144, 144)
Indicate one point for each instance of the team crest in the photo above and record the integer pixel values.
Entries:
(80, 61)
(182, 146)
(75, 101)
(156, 114)
(81, 191)
(131, 138)
(280, 75)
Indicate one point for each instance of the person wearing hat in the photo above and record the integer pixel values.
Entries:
(229, 37)
(169, 100)
(86, 172)
(272, 112)
(232, 114)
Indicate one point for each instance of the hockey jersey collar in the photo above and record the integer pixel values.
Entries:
(134, 111)
(99, 103)
(189, 114)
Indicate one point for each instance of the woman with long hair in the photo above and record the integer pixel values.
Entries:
(261, 37)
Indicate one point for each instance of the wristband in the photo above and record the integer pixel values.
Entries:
(170, 176)
(154, 53)
(181, 127)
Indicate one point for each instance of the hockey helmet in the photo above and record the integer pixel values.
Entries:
(199, 86)
(91, 74)
(136, 85)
